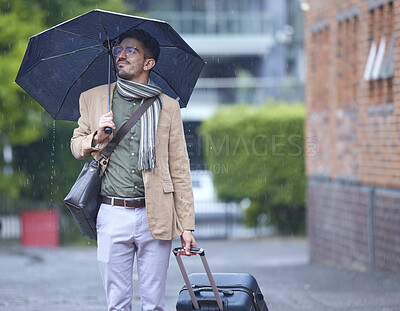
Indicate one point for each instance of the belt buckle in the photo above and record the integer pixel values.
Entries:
(125, 204)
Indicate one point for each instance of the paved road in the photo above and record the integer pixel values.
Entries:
(67, 279)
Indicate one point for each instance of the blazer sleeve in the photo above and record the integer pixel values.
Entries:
(81, 141)
(180, 172)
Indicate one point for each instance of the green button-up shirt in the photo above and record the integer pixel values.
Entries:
(122, 178)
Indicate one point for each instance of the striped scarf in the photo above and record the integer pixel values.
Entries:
(148, 121)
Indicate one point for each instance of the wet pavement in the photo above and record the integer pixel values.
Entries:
(67, 278)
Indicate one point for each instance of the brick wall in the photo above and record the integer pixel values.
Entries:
(338, 219)
(387, 230)
(354, 120)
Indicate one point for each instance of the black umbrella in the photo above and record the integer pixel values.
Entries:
(74, 56)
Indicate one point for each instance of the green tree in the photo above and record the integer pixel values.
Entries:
(57, 11)
(22, 120)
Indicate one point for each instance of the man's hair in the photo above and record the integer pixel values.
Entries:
(150, 44)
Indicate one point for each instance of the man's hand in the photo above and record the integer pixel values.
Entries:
(106, 120)
(188, 241)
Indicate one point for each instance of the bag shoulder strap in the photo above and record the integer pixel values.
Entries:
(106, 152)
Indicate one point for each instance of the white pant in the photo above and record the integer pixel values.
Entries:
(121, 233)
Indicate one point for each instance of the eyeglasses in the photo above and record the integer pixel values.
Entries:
(128, 50)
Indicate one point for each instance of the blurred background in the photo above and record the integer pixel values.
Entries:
(262, 146)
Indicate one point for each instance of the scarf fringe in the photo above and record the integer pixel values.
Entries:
(150, 154)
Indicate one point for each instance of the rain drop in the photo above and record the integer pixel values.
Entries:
(52, 157)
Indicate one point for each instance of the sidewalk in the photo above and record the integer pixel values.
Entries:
(67, 279)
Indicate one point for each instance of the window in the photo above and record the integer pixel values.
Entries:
(388, 65)
(370, 61)
(376, 70)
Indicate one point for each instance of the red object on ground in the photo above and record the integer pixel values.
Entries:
(40, 228)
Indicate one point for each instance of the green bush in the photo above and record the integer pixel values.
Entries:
(258, 153)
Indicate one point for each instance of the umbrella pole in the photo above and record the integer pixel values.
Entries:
(108, 130)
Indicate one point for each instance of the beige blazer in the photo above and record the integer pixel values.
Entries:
(168, 187)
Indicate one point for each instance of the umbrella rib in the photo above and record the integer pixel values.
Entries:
(76, 79)
(105, 30)
(144, 21)
(78, 35)
(51, 57)
(72, 52)
(134, 27)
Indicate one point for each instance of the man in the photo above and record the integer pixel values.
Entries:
(147, 197)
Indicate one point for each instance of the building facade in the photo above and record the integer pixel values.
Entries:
(353, 132)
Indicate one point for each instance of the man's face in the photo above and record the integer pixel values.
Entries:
(132, 66)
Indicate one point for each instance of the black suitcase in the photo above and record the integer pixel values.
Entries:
(219, 291)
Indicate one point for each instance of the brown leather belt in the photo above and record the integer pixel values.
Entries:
(127, 203)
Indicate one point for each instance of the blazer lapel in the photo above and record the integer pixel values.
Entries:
(105, 94)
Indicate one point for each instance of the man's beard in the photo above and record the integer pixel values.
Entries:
(124, 75)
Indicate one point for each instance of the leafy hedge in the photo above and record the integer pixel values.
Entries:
(258, 153)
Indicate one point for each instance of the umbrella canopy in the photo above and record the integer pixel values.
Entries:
(62, 62)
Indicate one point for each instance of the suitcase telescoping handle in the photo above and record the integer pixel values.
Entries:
(199, 251)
